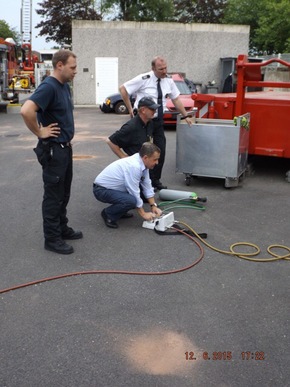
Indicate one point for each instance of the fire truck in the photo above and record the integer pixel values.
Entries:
(28, 60)
(16, 70)
(17, 62)
(8, 68)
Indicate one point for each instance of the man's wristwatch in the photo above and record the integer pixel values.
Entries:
(153, 205)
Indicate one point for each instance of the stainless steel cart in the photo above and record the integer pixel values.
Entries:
(213, 148)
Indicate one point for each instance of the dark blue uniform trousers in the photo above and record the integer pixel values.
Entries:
(56, 161)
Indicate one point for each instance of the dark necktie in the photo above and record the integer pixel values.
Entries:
(159, 99)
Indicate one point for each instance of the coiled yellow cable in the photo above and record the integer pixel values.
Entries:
(247, 256)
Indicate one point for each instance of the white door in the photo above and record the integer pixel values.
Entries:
(106, 78)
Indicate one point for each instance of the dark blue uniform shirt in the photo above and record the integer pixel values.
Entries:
(55, 106)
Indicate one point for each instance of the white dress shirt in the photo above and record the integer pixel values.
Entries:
(145, 85)
(126, 175)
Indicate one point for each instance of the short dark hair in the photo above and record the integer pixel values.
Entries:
(148, 149)
(62, 56)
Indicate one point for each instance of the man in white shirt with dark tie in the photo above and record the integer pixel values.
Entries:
(147, 85)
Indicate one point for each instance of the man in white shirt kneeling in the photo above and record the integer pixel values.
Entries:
(121, 182)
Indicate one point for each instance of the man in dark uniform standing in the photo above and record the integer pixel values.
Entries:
(139, 129)
(48, 113)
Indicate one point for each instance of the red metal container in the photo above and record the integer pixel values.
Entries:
(269, 110)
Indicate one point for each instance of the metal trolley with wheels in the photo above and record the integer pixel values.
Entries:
(213, 148)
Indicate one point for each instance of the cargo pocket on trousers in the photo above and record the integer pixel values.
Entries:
(50, 179)
(40, 153)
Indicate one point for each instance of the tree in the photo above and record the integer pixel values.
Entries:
(199, 11)
(138, 10)
(7, 32)
(273, 34)
(59, 15)
(269, 22)
(245, 12)
(184, 10)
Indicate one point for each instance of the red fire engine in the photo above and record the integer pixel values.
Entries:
(17, 62)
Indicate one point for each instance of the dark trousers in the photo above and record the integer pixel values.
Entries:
(121, 202)
(159, 139)
(56, 162)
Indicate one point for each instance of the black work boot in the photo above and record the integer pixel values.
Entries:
(58, 246)
(71, 234)
(158, 185)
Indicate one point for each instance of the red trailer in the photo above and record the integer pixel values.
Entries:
(269, 110)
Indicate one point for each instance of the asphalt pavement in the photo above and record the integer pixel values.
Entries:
(224, 322)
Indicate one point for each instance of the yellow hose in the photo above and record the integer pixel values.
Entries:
(247, 256)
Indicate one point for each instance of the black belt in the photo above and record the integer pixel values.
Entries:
(97, 186)
(62, 144)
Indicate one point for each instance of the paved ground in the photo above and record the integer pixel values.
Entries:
(223, 323)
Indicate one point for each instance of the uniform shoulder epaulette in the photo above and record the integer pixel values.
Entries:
(146, 76)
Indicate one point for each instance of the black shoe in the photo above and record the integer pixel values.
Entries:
(71, 234)
(58, 246)
(108, 222)
(158, 185)
(127, 215)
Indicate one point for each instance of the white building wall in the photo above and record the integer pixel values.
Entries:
(194, 49)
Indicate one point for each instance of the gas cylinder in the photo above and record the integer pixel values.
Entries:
(172, 194)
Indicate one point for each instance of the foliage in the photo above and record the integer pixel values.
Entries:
(245, 12)
(199, 11)
(269, 22)
(182, 11)
(138, 10)
(273, 34)
(7, 32)
(59, 14)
